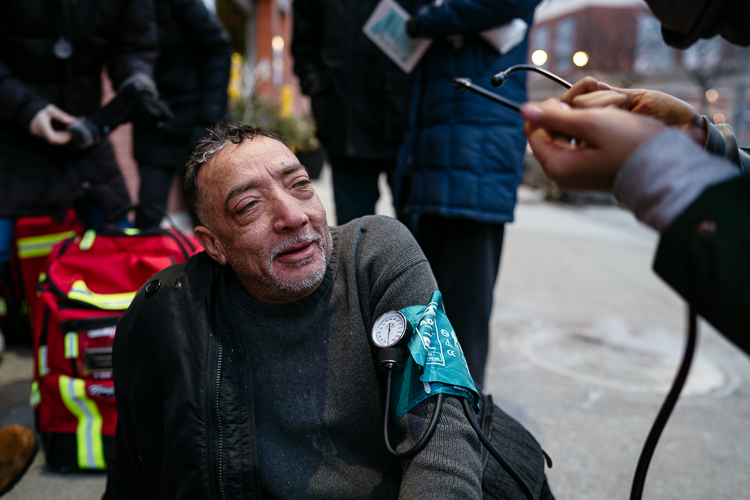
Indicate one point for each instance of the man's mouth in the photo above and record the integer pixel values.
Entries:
(296, 253)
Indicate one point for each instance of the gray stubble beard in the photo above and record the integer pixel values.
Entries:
(310, 283)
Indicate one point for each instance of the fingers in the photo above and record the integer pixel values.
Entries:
(558, 117)
(41, 125)
(601, 99)
(571, 167)
(58, 114)
(55, 137)
(583, 86)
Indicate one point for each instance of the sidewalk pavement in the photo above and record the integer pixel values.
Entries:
(586, 340)
(585, 343)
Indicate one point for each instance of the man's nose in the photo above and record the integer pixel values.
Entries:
(289, 213)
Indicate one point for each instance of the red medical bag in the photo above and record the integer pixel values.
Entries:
(33, 240)
(87, 284)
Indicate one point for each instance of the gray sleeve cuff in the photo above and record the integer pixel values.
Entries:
(665, 175)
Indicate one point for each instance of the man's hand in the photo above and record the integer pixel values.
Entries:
(605, 139)
(673, 112)
(41, 125)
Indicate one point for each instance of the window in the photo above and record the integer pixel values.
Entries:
(651, 53)
(540, 39)
(564, 44)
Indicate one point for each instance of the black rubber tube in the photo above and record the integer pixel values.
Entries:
(639, 479)
(464, 85)
(427, 435)
(487, 444)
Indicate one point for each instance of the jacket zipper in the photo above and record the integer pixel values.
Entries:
(218, 420)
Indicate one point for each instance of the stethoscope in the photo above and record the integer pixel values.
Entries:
(392, 330)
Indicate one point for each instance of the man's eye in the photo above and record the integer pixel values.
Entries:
(303, 182)
(246, 207)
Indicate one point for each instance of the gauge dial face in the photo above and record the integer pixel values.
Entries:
(389, 329)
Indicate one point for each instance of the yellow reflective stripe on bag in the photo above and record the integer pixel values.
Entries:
(71, 345)
(88, 240)
(39, 246)
(109, 301)
(89, 443)
(36, 396)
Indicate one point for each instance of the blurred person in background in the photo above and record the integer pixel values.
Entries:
(462, 158)
(51, 59)
(358, 98)
(192, 74)
(674, 170)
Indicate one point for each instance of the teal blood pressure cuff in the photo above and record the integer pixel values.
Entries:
(435, 362)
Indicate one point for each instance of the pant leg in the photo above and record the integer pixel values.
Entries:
(93, 216)
(465, 258)
(6, 245)
(355, 186)
(156, 181)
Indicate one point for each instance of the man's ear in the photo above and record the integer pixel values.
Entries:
(211, 243)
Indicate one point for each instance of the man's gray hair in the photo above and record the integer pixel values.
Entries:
(219, 136)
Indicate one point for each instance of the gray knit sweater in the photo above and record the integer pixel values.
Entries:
(319, 395)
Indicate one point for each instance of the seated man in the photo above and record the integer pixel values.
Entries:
(248, 369)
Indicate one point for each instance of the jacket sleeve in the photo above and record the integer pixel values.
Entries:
(18, 103)
(721, 141)
(307, 43)
(133, 48)
(134, 467)
(704, 255)
(450, 465)
(456, 17)
(212, 50)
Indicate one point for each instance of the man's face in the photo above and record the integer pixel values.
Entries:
(264, 219)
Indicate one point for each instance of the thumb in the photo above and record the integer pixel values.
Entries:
(570, 122)
(60, 115)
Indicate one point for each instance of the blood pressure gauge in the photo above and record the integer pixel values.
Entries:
(391, 329)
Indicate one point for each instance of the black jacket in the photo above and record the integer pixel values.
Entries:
(192, 74)
(117, 33)
(358, 95)
(189, 370)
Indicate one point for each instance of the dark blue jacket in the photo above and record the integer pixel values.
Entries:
(463, 155)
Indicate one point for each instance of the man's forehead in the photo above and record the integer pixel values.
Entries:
(257, 154)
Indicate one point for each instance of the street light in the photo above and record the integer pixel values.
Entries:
(580, 59)
(277, 43)
(539, 57)
(712, 94)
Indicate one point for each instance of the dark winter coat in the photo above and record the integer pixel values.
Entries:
(118, 33)
(192, 74)
(358, 95)
(463, 156)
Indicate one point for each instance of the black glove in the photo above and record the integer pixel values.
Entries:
(85, 132)
(148, 111)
